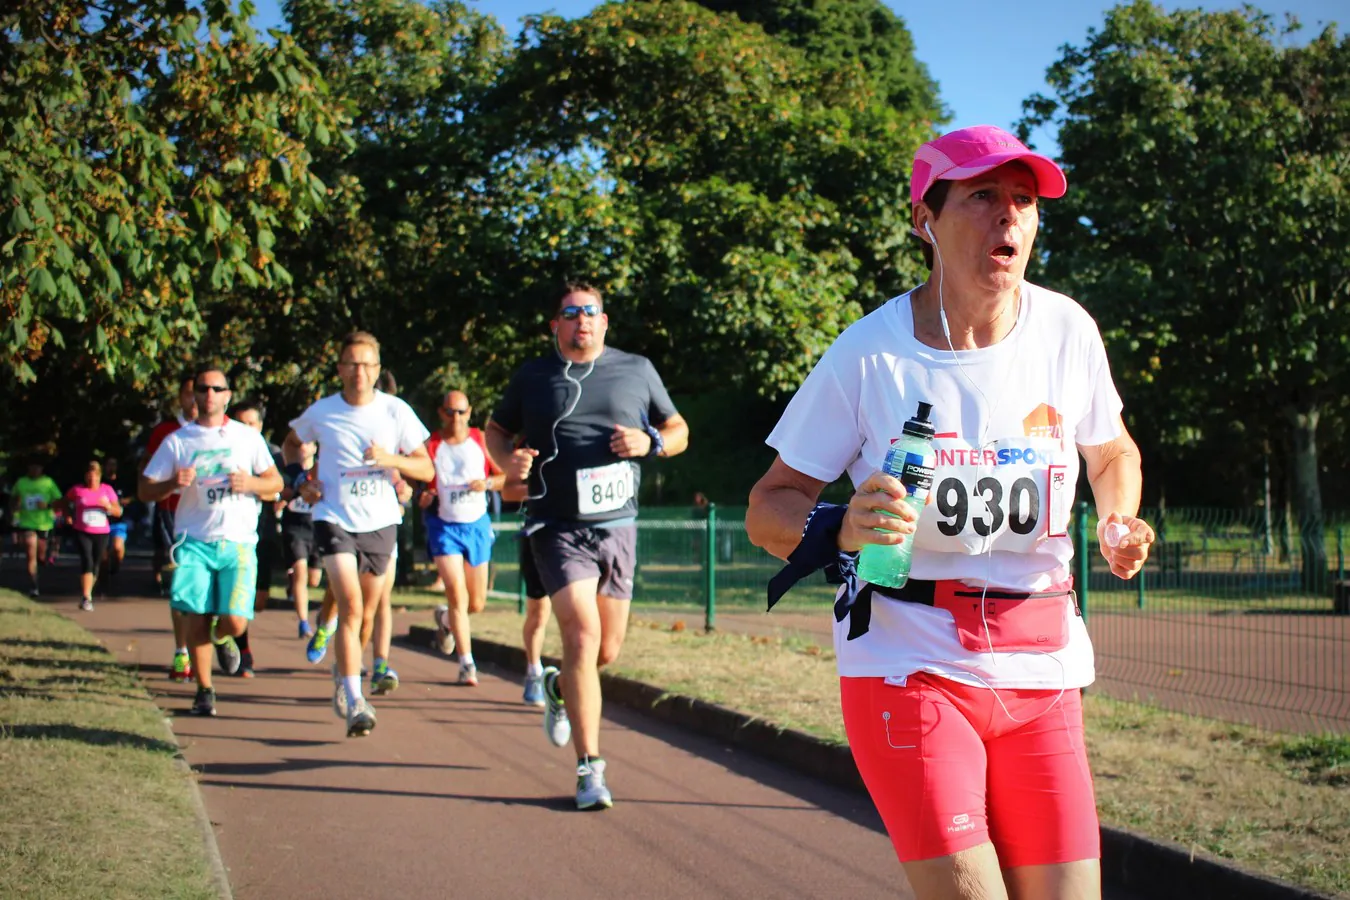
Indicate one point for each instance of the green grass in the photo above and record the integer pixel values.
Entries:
(92, 803)
(1275, 804)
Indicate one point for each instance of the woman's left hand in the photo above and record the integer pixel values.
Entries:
(1127, 557)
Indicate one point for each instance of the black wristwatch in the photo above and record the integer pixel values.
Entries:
(658, 443)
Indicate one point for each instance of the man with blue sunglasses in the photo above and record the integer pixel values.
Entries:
(586, 414)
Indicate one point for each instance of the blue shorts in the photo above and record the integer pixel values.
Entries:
(471, 540)
(118, 530)
(214, 579)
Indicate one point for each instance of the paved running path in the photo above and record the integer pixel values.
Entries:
(458, 792)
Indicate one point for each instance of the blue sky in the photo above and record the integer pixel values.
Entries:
(986, 57)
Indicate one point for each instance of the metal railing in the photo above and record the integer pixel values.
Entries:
(1233, 617)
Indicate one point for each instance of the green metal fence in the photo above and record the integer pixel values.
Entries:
(1235, 615)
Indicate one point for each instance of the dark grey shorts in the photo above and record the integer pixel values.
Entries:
(564, 556)
(372, 549)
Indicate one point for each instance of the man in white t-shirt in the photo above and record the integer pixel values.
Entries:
(960, 689)
(220, 470)
(367, 441)
(459, 529)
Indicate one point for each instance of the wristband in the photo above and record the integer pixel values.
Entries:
(658, 443)
(818, 549)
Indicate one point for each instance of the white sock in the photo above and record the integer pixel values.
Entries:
(331, 625)
(352, 684)
(182, 650)
(466, 659)
(534, 670)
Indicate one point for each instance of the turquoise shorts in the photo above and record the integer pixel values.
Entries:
(214, 579)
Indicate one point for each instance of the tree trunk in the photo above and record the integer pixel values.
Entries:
(1306, 497)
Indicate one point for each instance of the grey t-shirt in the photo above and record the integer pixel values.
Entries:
(586, 481)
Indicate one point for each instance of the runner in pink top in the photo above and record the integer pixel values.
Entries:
(89, 506)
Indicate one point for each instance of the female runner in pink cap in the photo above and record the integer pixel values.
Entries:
(961, 688)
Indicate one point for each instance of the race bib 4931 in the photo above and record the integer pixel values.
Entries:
(365, 483)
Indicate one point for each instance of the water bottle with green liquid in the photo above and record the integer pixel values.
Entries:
(910, 460)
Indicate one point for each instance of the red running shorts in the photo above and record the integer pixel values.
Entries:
(948, 768)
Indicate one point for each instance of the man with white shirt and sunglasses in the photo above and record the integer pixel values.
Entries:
(221, 470)
(369, 443)
(587, 414)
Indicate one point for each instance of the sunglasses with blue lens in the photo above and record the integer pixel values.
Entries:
(590, 310)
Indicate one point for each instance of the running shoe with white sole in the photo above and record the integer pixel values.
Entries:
(204, 704)
(445, 641)
(384, 681)
(556, 725)
(360, 719)
(87, 604)
(228, 655)
(339, 695)
(534, 690)
(318, 646)
(592, 792)
(468, 674)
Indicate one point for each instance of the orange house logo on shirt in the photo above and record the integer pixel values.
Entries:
(1044, 422)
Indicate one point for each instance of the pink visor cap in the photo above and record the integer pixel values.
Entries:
(963, 154)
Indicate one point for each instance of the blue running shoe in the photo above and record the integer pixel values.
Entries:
(384, 681)
(318, 646)
(534, 690)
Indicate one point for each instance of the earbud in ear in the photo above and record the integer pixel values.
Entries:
(915, 232)
(930, 232)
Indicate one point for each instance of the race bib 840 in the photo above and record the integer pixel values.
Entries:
(604, 488)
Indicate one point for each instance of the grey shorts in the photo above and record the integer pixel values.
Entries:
(566, 555)
(373, 549)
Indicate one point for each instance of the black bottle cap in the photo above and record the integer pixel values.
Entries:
(919, 426)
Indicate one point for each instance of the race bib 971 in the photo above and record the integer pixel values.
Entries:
(214, 490)
(604, 488)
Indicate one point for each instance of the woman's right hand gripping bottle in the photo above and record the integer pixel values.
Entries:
(911, 460)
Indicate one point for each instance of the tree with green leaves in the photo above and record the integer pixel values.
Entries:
(837, 35)
(153, 153)
(1207, 228)
(740, 213)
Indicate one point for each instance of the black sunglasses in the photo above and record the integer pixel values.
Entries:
(571, 312)
(213, 388)
(454, 411)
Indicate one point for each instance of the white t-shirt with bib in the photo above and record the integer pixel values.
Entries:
(358, 497)
(1007, 465)
(456, 466)
(207, 509)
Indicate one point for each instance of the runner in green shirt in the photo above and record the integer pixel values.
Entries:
(30, 508)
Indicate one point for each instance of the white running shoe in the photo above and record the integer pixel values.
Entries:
(556, 725)
(592, 792)
(468, 674)
(361, 719)
(445, 641)
(339, 695)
